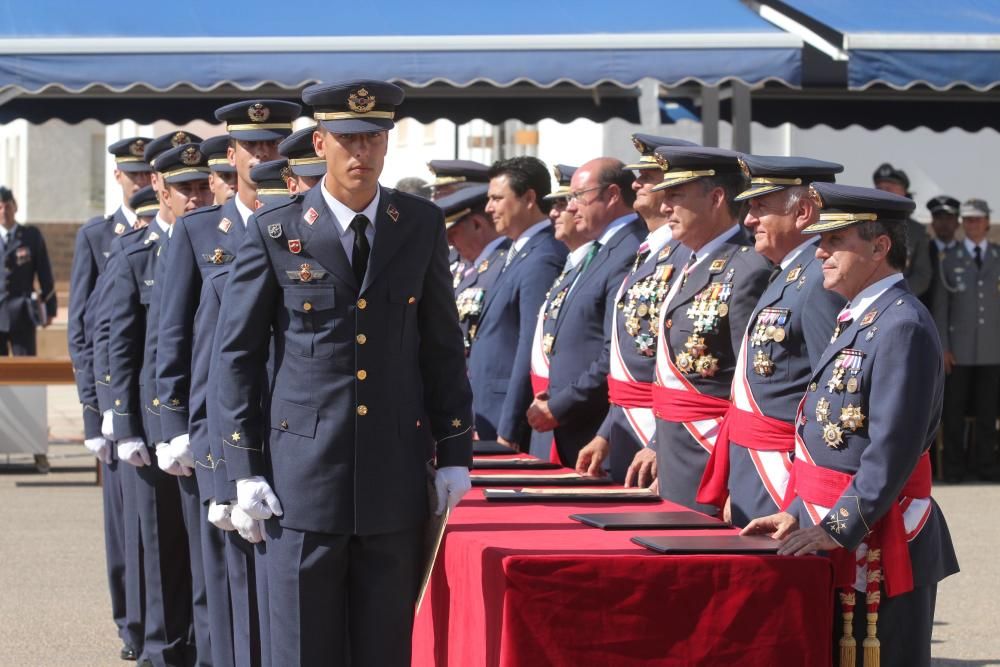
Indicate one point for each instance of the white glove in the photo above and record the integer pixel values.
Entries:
(218, 516)
(451, 483)
(108, 425)
(133, 451)
(255, 497)
(168, 462)
(251, 530)
(180, 448)
(99, 447)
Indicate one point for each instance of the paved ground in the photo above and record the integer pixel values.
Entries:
(54, 607)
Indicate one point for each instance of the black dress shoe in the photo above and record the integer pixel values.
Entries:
(128, 653)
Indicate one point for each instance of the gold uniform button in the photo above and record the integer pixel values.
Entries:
(362, 374)
(361, 338)
(362, 304)
(412, 299)
(362, 410)
(307, 306)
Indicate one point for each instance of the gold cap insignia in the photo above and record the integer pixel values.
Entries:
(191, 156)
(137, 147)
(815, 197)
(662, 161)
(743, 166)
(360, 101)
(640, 145)
(555, 172)
(258, 113)
(179, 139)
(286, 173)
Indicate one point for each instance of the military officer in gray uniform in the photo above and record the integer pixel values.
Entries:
(967, 312)
(90, 256)
(306, 169)
(483, 251)
(789, 329)
(21, 310)
(370, 385)
(861, 482)
(704, 315)
(918, 267)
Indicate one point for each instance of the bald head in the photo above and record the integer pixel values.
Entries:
(603, 193)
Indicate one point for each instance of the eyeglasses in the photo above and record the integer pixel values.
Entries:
(577, 197)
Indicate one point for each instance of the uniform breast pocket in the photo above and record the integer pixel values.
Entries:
(312, 318)
(289, 417)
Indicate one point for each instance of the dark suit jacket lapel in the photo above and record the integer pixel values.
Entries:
(847, 337)
(321, 239)
(389, 235)
(13, 240)
(507, 273)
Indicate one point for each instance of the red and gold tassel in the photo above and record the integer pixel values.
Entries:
(848, 645)
(873, 594)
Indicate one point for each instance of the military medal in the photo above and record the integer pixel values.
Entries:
(762, 364)
(547, 342)
(851, 417)
(707, 366)
(832, 435)
(684, 362)
(822, 410)
(847, 360)
(852, 385)
(645, 343)
(641, 304)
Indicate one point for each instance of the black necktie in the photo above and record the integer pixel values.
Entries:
(979, 257)
(775, 272)
(359, 256)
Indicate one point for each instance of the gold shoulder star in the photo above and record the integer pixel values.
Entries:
(456, 423)
(236, 436)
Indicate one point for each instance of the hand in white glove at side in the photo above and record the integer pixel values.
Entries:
(180, 449)
(255, 497)
(99, 447)
(168, 463)
(451, 483)
(219, 516)
(133, 451)
(251, 530)
(108, 425)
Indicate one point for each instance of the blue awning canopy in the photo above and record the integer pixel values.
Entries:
(73, 46)
(901, 43)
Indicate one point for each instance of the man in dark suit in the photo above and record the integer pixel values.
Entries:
(500, 362)
(24, 259)
(703, 318)
(918, 267)
(575, 320)
(90, 256)
(369, 380)
(861, 483)
(789, 329)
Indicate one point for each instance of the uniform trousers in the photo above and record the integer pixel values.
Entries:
(220, 618)
(135, 584)
(20, 340)
(904, 627)
(982, 384)
(342, 599)
(248, 592)
(195, 516)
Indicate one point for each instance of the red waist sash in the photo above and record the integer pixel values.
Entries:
(822, 486)
(630, 394)
(676, 405)
(746, 429)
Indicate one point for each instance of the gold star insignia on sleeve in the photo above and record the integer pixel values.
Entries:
(236, 436)
(175, 401)
(456, 423)
(118, 402)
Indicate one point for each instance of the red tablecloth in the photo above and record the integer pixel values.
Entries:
(523, 585)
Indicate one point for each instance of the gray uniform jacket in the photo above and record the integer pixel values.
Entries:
(967, 305)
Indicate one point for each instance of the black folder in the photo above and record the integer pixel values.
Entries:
(578, 495)
(490, 448)
(649, 520)
(490, 463)
(709, 544)
(553, 479)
